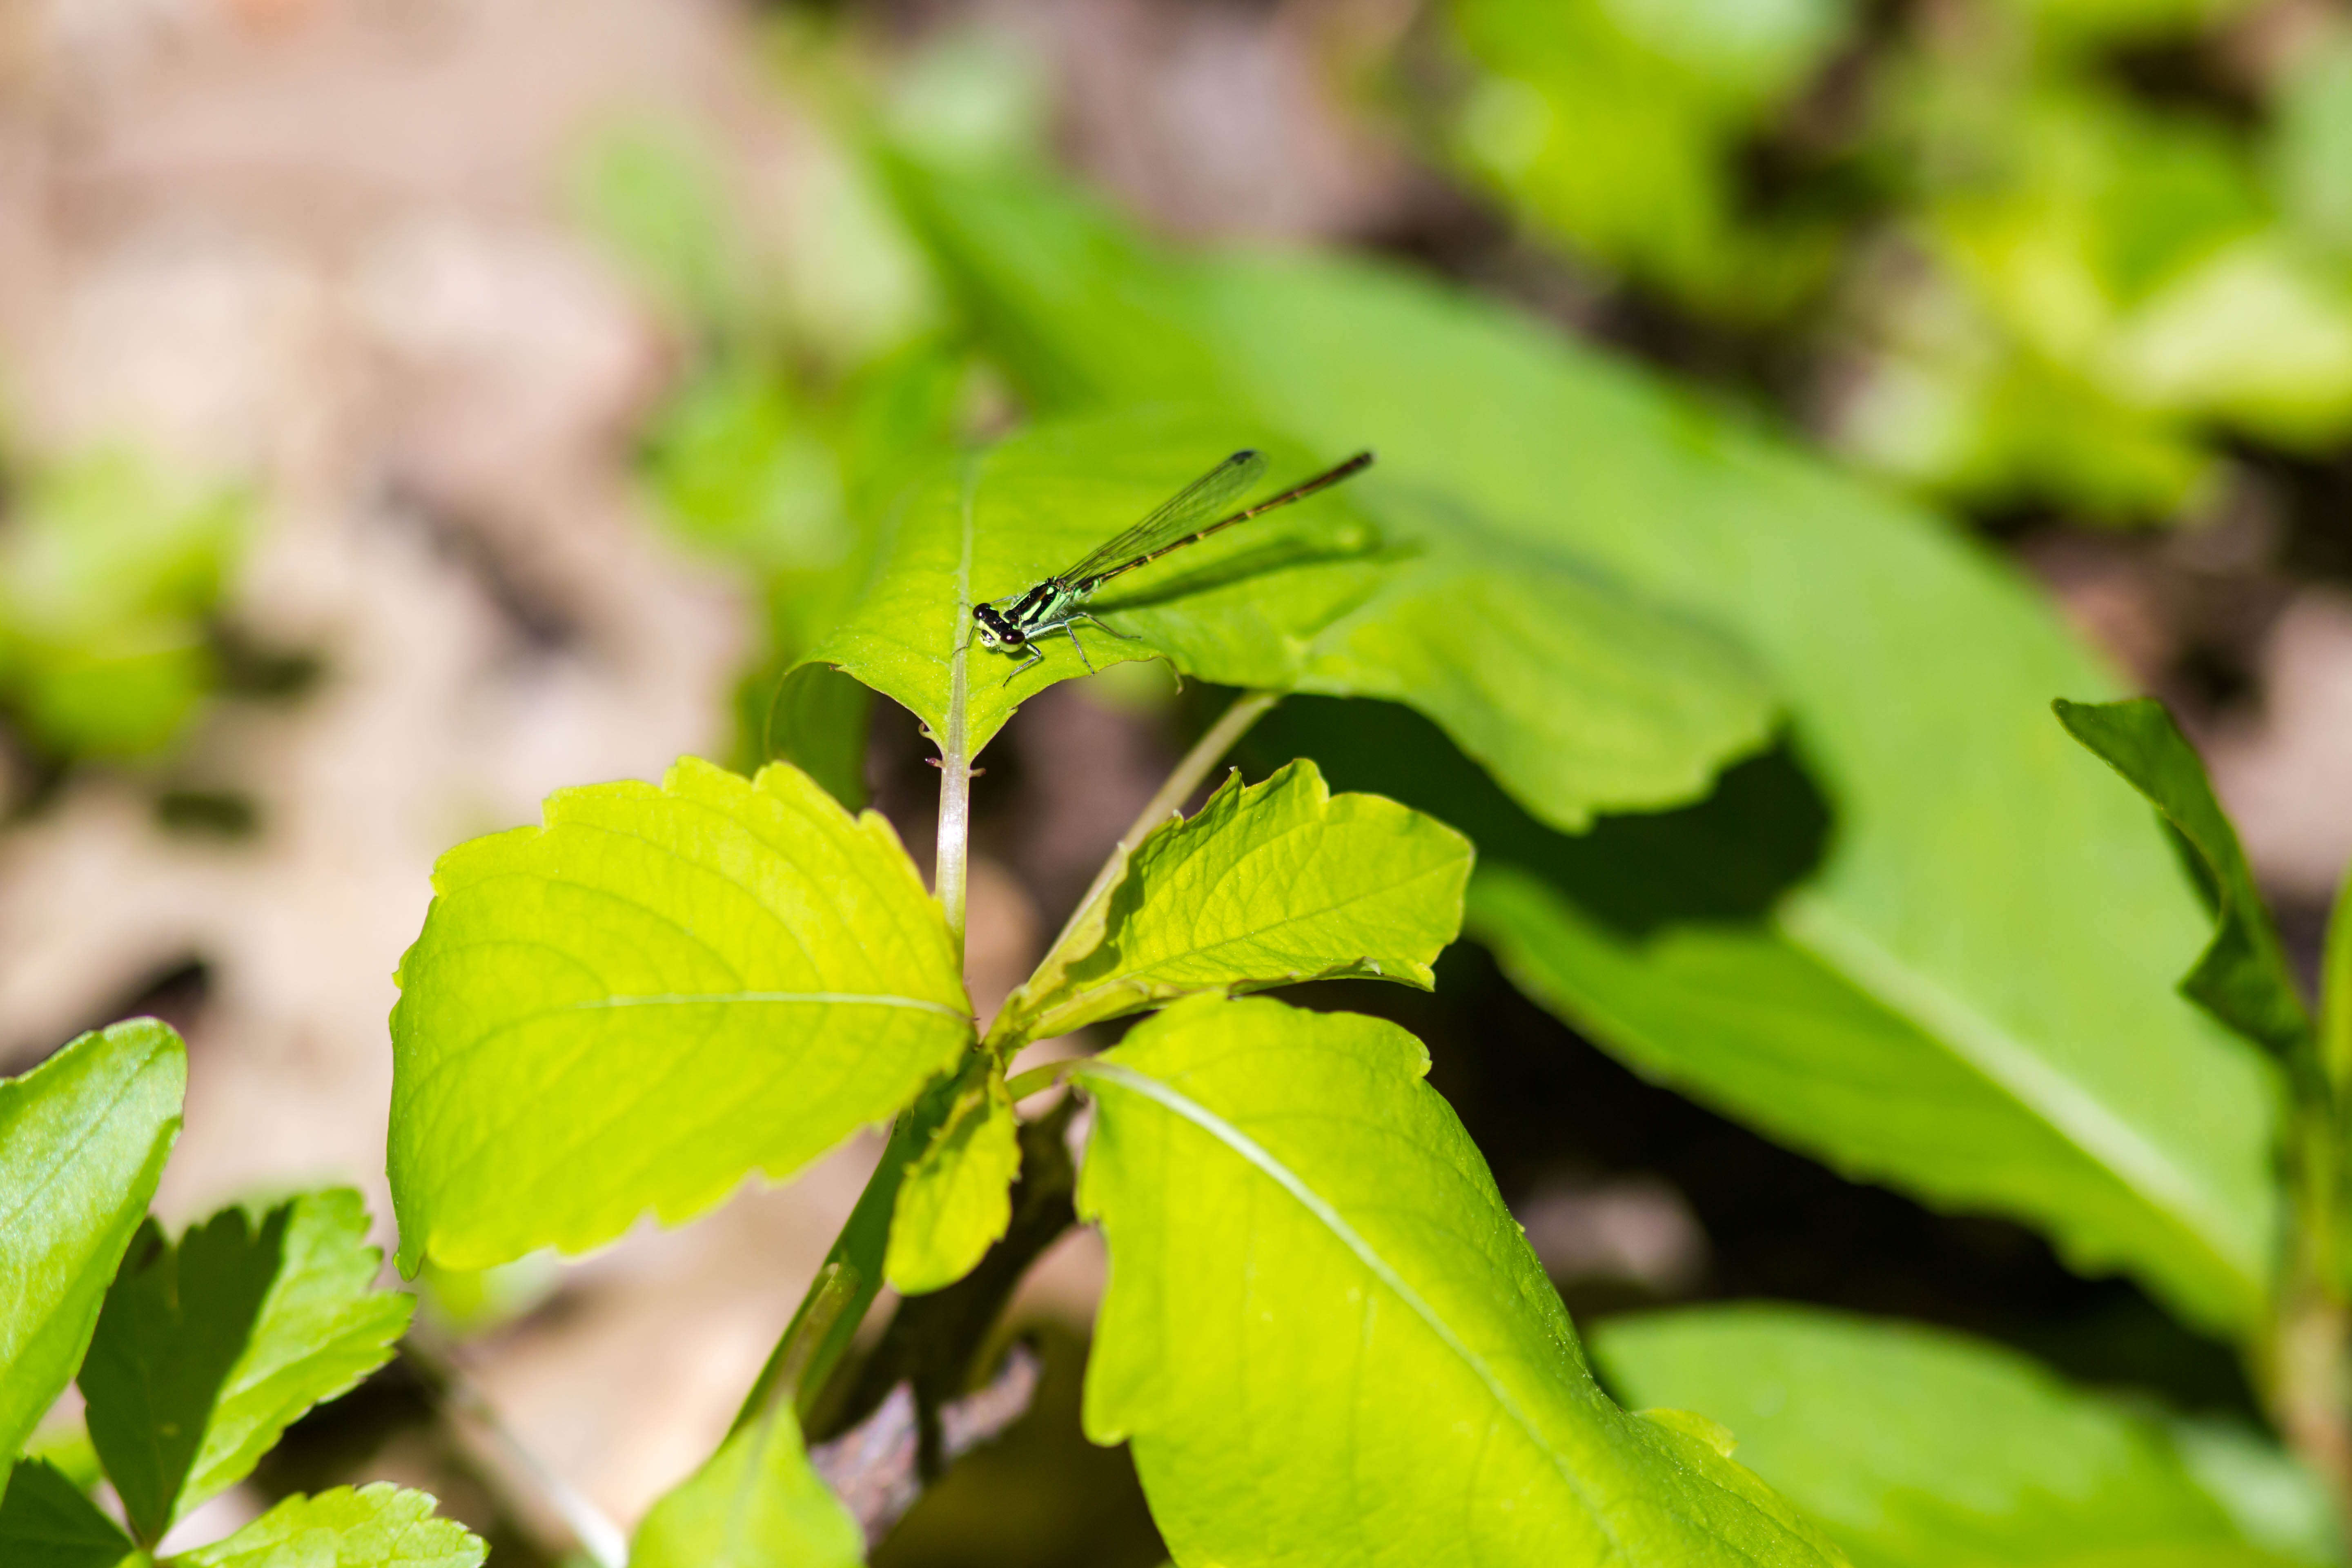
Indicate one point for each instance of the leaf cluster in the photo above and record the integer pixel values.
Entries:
(193, 1355)
(1763, 801)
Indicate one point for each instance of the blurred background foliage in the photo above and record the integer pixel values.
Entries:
(110, 576)
(2077, 271)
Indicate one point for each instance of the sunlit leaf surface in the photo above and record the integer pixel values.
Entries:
(1566, 682)
(378, 1526)
(957, 1196)
(1266, 885)
(1329, 1341)
(754, 1504)
(652, 995)
(82, 1142)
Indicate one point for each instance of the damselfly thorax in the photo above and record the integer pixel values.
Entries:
(1014, 622)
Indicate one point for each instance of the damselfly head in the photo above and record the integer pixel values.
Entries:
(995, 631)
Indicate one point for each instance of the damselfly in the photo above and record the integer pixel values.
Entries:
(1015, 621)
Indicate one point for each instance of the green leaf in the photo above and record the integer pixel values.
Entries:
(2242, 978)
(1983, 882)
(208, 1351)
(378, 1526)
(654, 994)
(754, 1504)
(46, 1522)
(957, 1198)
(1759, 1027)
(1329, 1341)
(1921, 1449)
(1576, 693)
(82, 1142)
(816, 718)
(1269, 884)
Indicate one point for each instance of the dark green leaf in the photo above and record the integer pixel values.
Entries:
(82, 1142)
(208, 1351)
(2242, 978)
(653, 995)
(1329, 1342)
(46, 1522)
(817, 720)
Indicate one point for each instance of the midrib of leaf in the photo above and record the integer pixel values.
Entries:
(1168, 1099)
(2014, 1067)
(710, 998)
(951, 860)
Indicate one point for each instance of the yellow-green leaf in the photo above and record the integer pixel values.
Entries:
(655, 992)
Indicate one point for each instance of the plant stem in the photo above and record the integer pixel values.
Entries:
(1170, 798)
(1039, 1079)
(2310, 1360)
(953, 860)
(851, 1275)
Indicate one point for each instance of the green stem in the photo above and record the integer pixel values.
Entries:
(953, 860)
(2309, 1371)
(1039, 1079)
(849, 1278)
(851, 1275)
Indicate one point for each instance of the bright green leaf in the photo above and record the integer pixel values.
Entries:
(2242, 978)
(379, 1526)
(1327, 1339)
(1267, 885)
(82, 1142)
(1920, 1449)
(46, 1522)
(1579, 695)
(957, 1198)
(754, 1504)
(652, 995)
(207, 1350)
(1983, 882)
